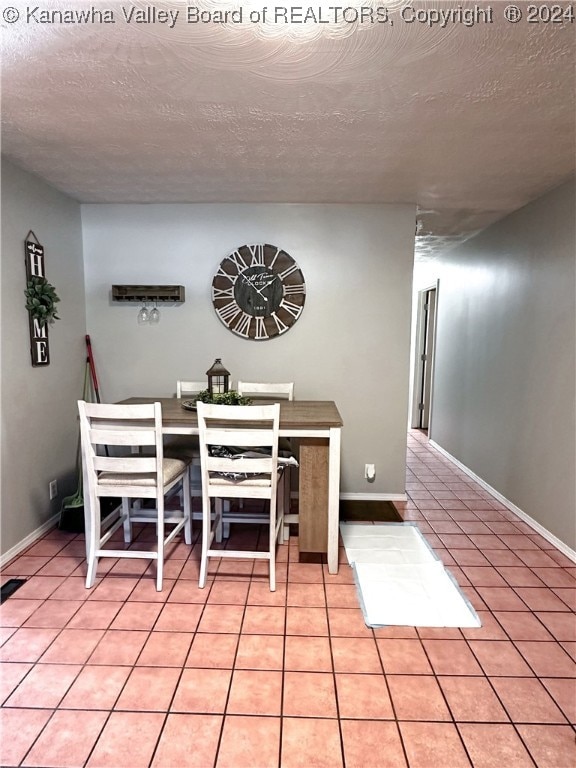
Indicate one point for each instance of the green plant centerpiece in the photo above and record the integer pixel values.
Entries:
(41, 300)
(222, 398)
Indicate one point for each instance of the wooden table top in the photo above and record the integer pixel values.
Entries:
(294, 414)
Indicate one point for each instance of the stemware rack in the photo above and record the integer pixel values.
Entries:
(151, 293)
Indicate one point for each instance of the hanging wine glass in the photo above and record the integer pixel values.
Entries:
(155, 315)
(143, 315)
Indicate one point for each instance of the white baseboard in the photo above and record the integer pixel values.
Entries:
(538, 527)
(373, 497)
(30, 539)
(365, 496)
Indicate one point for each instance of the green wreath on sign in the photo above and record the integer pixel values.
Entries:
(41, 300)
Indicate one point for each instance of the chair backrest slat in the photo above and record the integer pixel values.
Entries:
(280, 390)
(255, 466)
(126, 465)
(187, 388)
(232, 413)
(122, 436)
(118, 412)
(259, 438)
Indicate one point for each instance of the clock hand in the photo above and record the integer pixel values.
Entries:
(254, 288)
(269, 282)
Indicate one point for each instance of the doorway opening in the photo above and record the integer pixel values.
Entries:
(424, 358)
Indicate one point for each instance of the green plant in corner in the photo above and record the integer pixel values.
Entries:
(223, 398)
(41, 299)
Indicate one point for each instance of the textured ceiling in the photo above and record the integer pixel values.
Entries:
(467, 122)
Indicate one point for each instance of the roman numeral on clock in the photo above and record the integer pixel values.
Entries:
(275, 257)
(222, 273)
(243, 325)
(293, 309)
(288, 271)
(228, 312)
(223, 293)
(279, 324)
(292, 289)
(260, 332)
(257, 252)
(238, 261)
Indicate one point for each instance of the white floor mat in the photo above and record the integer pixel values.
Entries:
(400, 580)
(388, 543)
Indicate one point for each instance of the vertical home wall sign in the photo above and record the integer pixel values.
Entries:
(41, 301)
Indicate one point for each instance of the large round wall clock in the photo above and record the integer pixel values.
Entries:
(258, 291)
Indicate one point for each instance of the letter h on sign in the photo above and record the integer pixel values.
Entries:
(39, 349)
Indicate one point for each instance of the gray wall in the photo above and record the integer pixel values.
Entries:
(351, 343)
(504, 384)
(39, 426)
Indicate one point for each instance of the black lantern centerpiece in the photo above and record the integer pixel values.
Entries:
(218, 378)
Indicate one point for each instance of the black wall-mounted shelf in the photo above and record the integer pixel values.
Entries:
(139, 293)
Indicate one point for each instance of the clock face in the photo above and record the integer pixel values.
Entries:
(258, 291)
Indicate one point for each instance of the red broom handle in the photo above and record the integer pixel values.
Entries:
(92, 368)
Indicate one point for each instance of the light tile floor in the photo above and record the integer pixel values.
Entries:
(234, 676)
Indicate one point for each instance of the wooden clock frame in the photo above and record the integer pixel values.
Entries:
(258, 291)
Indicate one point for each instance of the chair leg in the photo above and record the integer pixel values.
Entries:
(273, 573)
(280, 509)
(203, 566)
(160, 553)
(222, 529)
(127, 521)
(93, 534)
(206, 532)
(187, 509)
(285, 491)
(182, 492)
(91, 573)
(272, 547)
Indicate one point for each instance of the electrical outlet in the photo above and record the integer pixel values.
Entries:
(369, 472)
(53, 489)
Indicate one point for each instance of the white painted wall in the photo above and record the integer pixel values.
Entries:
(39, 424)
(351, 343)
(504, 384)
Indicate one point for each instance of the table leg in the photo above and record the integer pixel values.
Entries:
(333, 498)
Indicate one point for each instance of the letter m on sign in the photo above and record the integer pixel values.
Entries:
(34, 257)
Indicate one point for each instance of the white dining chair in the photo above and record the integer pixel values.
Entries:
(115, 430)
(189, 388)
(231, 472)
(276, 391)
